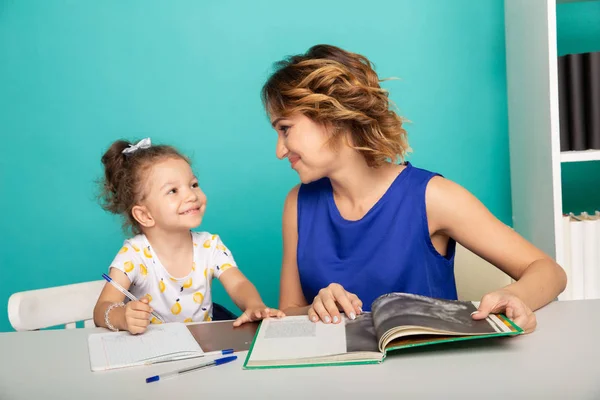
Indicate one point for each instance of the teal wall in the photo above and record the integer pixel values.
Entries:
(74, 76)
(578, 31)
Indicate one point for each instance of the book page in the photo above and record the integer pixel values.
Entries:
(400, 309)
(360, 334)
(297, 337)
(121, 349)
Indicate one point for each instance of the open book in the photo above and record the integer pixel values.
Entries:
(396, 321)
(167, 342)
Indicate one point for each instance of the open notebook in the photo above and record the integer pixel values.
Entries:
(160, 342)
(166, 342)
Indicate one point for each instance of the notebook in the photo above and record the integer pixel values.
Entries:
(396, 321)
(166, 342)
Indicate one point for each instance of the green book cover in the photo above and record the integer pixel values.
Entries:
(397, 321)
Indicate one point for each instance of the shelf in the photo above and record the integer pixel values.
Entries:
(577, 156)
(571, 1)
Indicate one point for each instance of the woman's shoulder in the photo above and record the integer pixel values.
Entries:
(419, 173)
(305, 190)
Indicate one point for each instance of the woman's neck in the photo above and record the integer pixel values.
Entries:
(356, 181)
(175, 250)
(357, 187)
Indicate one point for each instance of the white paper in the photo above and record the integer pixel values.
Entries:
(298, 337)
(122, 349)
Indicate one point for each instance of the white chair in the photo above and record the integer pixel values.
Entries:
(475, 276)
(55, 306)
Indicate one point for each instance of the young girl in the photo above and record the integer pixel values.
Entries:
(168, 267)
(362, 222)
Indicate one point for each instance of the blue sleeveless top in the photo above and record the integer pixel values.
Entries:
(388, 250)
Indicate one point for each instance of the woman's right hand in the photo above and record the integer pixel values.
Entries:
(137, 316)
(328, 303)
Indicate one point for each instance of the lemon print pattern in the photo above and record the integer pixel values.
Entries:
(188, 320)
(198, 297)
(224, 267)
(128, 265)
(137, 249)
(187, 284)
(213, 237)
(176, 309)
(147, 252)
(161, 286)
(206, 244)
(123, 250)
(221, 247)
(207, 274)
(143, 270)
(155, 321)
(147, 295)
(193, 266)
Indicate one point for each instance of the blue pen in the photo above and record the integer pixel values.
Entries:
(128, 294)
(213, 363)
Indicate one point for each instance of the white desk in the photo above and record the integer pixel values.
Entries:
(560, 360)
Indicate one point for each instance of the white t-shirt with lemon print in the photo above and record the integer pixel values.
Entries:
(186, 299)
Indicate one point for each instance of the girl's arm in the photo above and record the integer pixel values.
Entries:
(454, 212)
(246, 297)
(135, 317)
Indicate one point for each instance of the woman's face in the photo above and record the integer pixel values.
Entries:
(305, 144)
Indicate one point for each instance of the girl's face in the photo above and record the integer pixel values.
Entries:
(305, 144)
(173, 198)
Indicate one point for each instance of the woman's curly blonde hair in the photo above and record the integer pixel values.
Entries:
(340, 89)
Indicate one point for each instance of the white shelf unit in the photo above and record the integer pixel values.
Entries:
(534, 137)
(584, 155)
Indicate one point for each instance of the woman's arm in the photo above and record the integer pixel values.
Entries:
(291, 297)
(329, 300)
(454, 212)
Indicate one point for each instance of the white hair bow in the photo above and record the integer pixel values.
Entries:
(142, 144)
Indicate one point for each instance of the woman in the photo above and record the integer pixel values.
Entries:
(363, 222)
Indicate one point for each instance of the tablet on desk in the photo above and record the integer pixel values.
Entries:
(219, 335)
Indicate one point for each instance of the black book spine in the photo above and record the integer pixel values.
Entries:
(593, 100)
(563, 103)
(576, 102)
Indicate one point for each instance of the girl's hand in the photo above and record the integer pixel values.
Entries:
(257, 313)
(330, 300)
(137, 316)
(504, 301)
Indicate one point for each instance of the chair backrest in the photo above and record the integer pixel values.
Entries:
(475, 276)
(60, 305)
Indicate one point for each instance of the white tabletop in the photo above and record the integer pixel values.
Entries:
(560, 360)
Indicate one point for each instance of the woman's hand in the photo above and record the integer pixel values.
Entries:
(327, 304)
(504, 301)
(257, 313)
